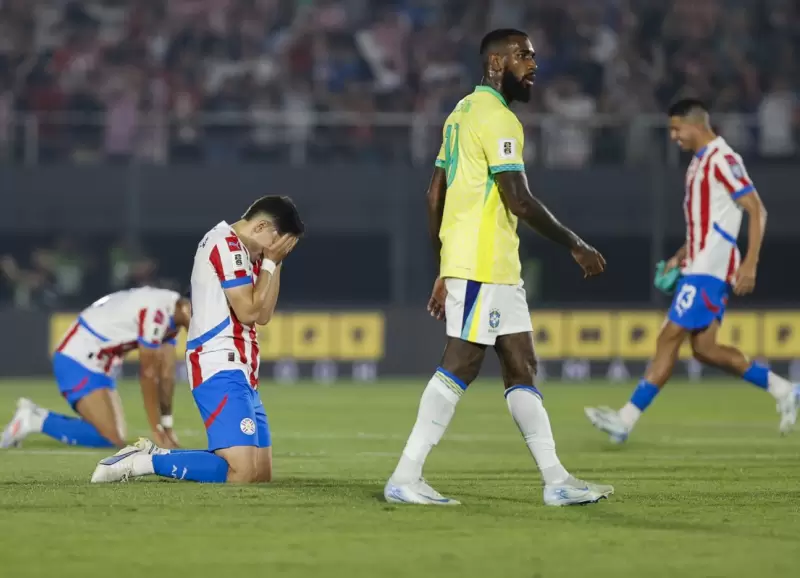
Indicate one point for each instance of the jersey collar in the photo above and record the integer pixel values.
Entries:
(493, 92)
(699, 154)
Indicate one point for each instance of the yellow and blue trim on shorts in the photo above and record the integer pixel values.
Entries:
(472, 311)
(451, 381)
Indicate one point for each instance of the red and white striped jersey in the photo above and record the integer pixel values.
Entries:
(110, 327)
(715, 179)
(217, 340)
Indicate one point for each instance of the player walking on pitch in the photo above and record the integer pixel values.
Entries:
(476, 196)
(235, 285)
(145, 318)
(718, 189)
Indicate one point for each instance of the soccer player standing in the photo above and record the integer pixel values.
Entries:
(235, 284)
(146, 318)
(476, 196)
(718, 190)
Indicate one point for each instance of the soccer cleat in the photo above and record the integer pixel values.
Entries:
(116, 468)
(788, 407)
(20, 425)
(149, 447)
(575, 492)
(418, 492)
(607, 420)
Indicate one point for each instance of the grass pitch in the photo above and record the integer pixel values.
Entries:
(705, 487)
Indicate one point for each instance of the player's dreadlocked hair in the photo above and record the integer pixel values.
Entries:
(686, 106)
(495, 37)
(282, 210)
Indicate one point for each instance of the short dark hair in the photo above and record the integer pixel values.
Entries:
(496, 36)
(282, 210)
(685, 106)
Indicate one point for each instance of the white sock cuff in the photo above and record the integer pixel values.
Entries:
(448, 385)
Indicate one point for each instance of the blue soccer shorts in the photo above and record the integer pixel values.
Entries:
(698, 301)
(76, 381)
(232, 411)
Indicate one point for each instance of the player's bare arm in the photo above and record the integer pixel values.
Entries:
(248, 301)
(149, 376)
(520, 201)
(437, 189)
(167, 392)
(272, 297)
(676, 259)
(757, 225)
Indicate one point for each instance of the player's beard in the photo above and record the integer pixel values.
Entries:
(514, 88)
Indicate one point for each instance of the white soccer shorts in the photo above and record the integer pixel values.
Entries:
(479, 312)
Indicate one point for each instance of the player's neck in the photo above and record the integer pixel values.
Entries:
(242, 230)
(704, 141)
(497, 86)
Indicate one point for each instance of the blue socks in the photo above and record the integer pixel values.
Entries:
(644, 394)
(73, 431)
(193, 465)
(757, 374)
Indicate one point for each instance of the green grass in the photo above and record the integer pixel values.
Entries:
(705, 487)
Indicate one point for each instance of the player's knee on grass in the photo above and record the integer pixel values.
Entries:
(242, 464)
(97, 408)
(518, 361)
(463, 359)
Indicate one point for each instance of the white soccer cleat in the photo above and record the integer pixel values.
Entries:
(21, 424)
(116, 468)
(788, 408)
(418, 492)
(607, 420)
(149, 447)
(575, 492)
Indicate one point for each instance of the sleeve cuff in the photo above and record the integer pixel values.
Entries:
(742, 192)
(147, 344)
(440, 163)
(507, 168)
(239, 281)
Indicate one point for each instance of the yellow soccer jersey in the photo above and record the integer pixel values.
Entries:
(481, 138)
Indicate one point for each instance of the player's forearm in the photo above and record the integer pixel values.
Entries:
(680, 254)
(249, 307)
(757, 226)
(148, 379)
(272, 298)
(167, 385)
(540, 219)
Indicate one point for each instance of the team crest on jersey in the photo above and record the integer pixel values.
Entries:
(494, 318)
(736, 167)
(247, 426)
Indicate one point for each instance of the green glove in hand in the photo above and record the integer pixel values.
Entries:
(666, 282)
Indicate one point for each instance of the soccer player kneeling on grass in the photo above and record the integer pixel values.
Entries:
(235, 284)
(146, 318)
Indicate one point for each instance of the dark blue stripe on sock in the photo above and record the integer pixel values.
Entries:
(446, 373)
(531, 388)
(470, 297)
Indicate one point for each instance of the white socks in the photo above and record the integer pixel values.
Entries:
(38, 416)
(436, 409)
(629, 414)
(778, 386)
(143, 465)
(528, 411)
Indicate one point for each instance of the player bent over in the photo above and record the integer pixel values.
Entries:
(235, 285)
(145, 318)
(476, 196)
(718, 190)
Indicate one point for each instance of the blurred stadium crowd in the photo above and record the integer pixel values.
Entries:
(238, 80)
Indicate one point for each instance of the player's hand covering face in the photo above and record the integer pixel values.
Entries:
(280, 248)
(590, 260)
